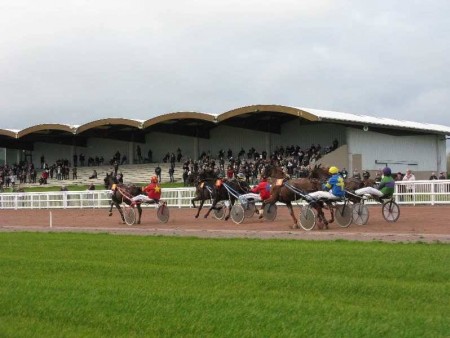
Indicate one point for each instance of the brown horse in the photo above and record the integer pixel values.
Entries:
(287, 190)
(352, 184)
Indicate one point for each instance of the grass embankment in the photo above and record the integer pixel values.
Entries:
(85, 285)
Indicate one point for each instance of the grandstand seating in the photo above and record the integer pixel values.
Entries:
(132, 173)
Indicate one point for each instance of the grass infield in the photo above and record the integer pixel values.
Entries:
(100, 285)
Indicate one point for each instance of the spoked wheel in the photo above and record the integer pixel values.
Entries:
(307, 218)
(270, 212)
(343, 215)
(163, 212)
(249, 209)
(129, 214)
(360, 214)
(237, 213)
(391, 211)
(219, 212)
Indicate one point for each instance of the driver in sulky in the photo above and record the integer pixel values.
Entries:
(152, 192)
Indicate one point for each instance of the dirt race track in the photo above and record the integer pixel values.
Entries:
(416, 224)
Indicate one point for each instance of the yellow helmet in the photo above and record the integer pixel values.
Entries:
(333, 170)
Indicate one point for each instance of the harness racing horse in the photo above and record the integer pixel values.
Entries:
(280, 192)
(122, 193)
(204, 190)
(227, 190)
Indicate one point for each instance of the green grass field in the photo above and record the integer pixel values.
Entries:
(100, 285)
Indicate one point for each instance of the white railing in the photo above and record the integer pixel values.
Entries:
(417, 192)
(180, 197)
(422, 192)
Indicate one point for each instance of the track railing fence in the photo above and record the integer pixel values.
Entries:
(413, 193)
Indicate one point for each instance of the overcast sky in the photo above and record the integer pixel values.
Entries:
(77, 61)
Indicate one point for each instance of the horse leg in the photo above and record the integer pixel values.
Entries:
(227, 217)
(121, 212)
(139, 208)
(330, 206)
(111, 207)
(321, 216)
(261, 211)
(199, 208)
(213, 206)
(291, 212)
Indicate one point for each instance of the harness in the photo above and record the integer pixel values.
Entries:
(125, 194)
(295, 190)
(231, 191)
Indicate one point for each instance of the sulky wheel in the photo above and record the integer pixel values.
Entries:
(237, 213)
(163, 212)
(249, 209)
(270, 212)
(307, 218)
(391, 211)
(360, 214)
(343, 215)
(219, 212)
(129, 214)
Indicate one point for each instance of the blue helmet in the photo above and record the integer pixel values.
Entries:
(386, 171)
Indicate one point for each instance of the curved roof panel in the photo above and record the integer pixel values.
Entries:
(192, 124)
(9, 132)
(179, 116)
(46, 128)
(256, 109)
(110, 122)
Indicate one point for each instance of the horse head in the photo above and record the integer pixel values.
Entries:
(318, 172)
(273, 171)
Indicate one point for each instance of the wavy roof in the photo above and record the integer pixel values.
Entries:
(241, 113)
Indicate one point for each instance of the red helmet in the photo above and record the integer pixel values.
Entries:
(154, 179)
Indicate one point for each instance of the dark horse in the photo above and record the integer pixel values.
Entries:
(227, 190)
(122, 193)
(280, 192)
(204, 190)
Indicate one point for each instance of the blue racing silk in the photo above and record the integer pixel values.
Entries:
(336, 185)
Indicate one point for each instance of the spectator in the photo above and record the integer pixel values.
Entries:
(91, 187)
(409, 187)
(81, 158)
(442, 176)
(150, 156)
(433, 176)
(94, 175)
(171, 171)
(74, 173)
(158, 172)
(139, 154)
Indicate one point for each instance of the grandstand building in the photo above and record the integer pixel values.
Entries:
(364, 142)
